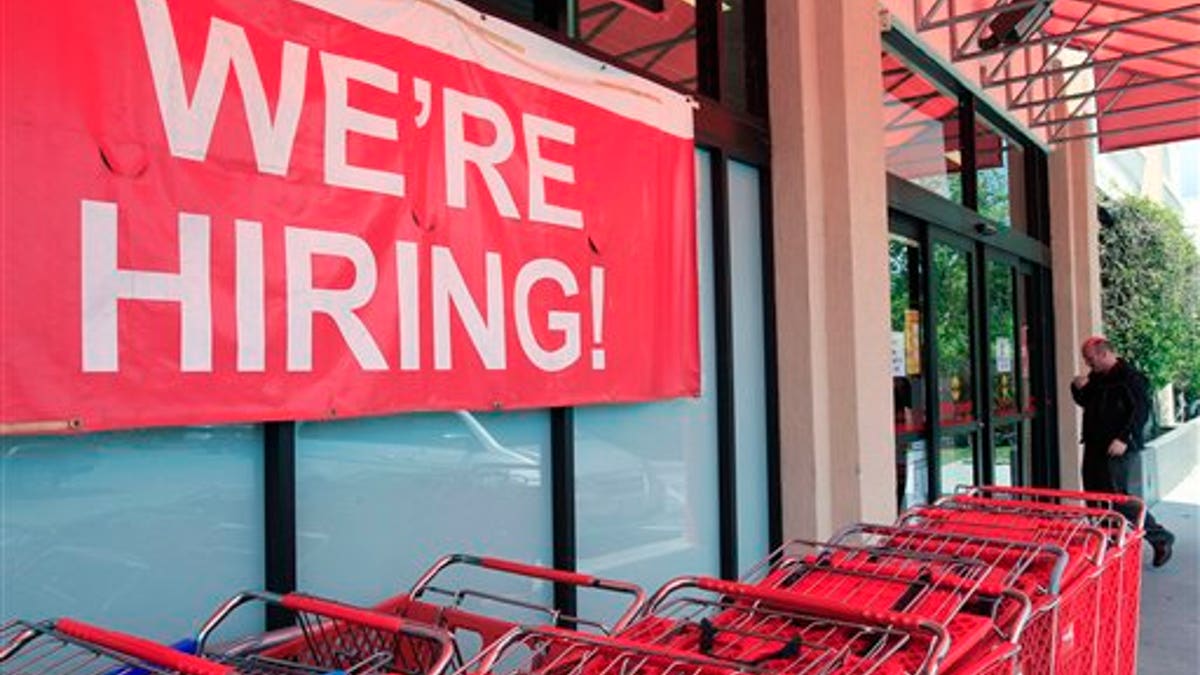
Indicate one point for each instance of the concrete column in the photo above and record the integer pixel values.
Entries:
(830, 210)
(1075, 264)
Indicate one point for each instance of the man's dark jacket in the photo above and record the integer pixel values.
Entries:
(1115, 405)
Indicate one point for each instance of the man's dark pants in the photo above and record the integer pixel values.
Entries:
(1102, 473)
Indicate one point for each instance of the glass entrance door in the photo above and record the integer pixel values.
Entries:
(910, 386)
(1003, 373)
(956, 432)
(966, 344)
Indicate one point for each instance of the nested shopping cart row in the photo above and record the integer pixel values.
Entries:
(992, 580)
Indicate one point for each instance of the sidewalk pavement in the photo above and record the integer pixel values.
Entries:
(1169, 643)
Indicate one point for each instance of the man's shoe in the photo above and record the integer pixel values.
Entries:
(1162, 552)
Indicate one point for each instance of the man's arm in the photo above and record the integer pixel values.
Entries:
(1139, 405)
(1081, 390)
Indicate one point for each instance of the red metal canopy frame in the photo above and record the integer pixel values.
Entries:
(1144, 56)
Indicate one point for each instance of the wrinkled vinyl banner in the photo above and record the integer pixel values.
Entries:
(231, 210)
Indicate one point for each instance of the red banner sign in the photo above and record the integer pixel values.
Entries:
(237, 210)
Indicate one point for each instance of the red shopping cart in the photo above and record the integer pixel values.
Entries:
(754, 627)
(473, 616)
(1065, 639)
(979, 608)
(1122, 574)
(477, 617)
(553, 651)
(329, 636)
(335, 637)
(1033, 569)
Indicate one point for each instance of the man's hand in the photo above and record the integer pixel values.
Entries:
(1117, 448)
(1080, 381)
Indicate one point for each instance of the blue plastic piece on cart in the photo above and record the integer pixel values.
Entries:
(186, 645)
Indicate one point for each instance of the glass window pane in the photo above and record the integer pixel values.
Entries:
(921, 130)
(1007, 454)
(908, 373)
(1027, 335)
(733, 57)
(912, 474)
(143, 531)
(646, 475)
(1002, 339)
(1000, 167)
(662, 43)
(952, 281)
(379, 499)
(956, 461)
(749, 362)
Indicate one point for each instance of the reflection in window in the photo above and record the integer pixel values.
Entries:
(956, 461)
(1007, 453)
(749, 361)
(379, 499)
(951, 278)
(1027, 335)
(921, 130)
(734, 63)
(1002, 338)
(143, 531)
(908, 379)
(912, 474)
(1000, 166)
(662, 43)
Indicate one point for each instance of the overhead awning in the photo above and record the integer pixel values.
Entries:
(1143, 57)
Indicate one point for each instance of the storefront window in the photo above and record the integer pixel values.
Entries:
(921, 130)
(749, 361)
(1000, 167)
(662, 43)
(143, 531)
(1007, 453)
(1027, 335)
(952, 282)
(734, 63)
(1002, 344)
(380, 499)
(912, 474)
(908, 369)
(646, 475)
(956, 461)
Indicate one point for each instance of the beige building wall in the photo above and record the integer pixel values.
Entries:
(831, 232)
(1075, 265)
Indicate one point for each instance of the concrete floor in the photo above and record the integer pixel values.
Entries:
(1170, 632)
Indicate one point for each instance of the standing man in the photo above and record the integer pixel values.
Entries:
(1115, 407)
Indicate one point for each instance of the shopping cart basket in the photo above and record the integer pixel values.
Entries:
(553, 651)
(785, 631)
(477, 617)
(1066, 639)
(328, 636)
(979, 608)
(70, 647)
(1122, 573)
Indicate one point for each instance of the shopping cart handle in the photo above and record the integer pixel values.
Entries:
(151, 652)
(549, 574)
(799, 603)
(1052, 493)
(336, 610)
(186, 645)
(537, 572)
(527, 570)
